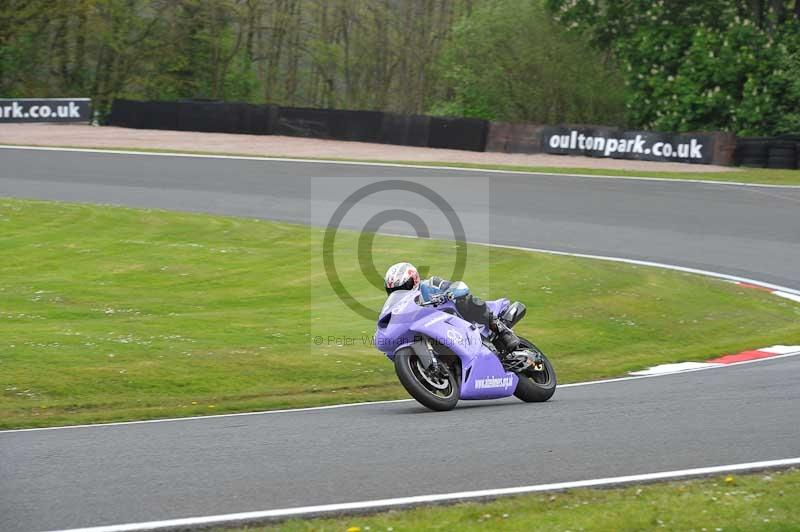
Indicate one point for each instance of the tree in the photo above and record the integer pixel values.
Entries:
(692, 65)
(508, 60)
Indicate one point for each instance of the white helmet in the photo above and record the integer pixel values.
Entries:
(401, 276)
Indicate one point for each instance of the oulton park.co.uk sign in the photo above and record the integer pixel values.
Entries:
(45, 110)
(640, 145)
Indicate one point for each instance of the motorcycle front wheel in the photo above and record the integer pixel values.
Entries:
(438, 392)
(536, 386)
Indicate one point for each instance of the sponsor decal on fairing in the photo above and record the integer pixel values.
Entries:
(493, 383)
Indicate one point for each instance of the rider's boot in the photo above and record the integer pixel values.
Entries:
(504, 338)
(507, 344)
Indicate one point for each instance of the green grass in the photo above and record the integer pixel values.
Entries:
(737, 175)
(763, 501)
(110, 313)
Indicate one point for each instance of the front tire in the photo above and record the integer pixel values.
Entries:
(536, 386)
(438, 393)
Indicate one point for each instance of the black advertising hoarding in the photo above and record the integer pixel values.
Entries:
(639, 145)
(45, 110)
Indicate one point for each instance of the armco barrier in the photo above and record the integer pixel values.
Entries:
(160, 115)
(144, 115)
(207, 117)
(220, 117)
(752, 152)
(793, 138)
(363, 126)
(299, 122)
(782, 154)
(458, 133)
(126, 113)
(189, 115)
(724, 148)
(514, 138)
(405, 130)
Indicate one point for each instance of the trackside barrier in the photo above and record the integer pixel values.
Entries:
(224, 117)
(611, 142)
(54, 110)
(717, 148)
(781, 152)
(458, 133)
(406, 130)
(363, 126)
(514, 138)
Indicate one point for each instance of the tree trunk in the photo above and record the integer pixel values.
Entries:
(59, 52)
(291, 86)
(278, 33)
(78, 73)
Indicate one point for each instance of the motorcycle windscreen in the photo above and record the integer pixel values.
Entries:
(394, 300)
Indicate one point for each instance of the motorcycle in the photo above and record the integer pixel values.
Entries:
(440, 358)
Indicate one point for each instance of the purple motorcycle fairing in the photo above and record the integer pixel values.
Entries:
(498, 305)
(482, 375)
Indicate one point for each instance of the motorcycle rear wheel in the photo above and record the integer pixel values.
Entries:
(440, 393)
(536, 386)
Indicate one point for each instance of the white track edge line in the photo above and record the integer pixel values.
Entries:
(681, 372)
(395, 165)
(388, 401)
(319, 510)
(211, 416)
(636, 262)
(785, 295)
(705, 273)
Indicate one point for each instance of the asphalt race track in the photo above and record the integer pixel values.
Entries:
(746, 231)
(143, 472)
(104, 475)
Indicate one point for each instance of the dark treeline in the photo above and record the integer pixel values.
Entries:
(327, 53)
(673, 65)
(352, 54)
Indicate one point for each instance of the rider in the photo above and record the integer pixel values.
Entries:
(404, 276)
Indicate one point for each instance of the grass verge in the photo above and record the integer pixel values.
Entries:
(763, 501)
(110, 314)
(740, 175)
(763, 176)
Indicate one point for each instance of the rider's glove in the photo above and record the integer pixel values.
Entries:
(458, 290)
(438, 299)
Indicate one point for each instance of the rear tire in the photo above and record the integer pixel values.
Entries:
(440, 394)
(536, 386)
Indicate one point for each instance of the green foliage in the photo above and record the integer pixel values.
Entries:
(754, 502)
(368, 54)
(714, 65)
(509, 61)
(670, 65)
